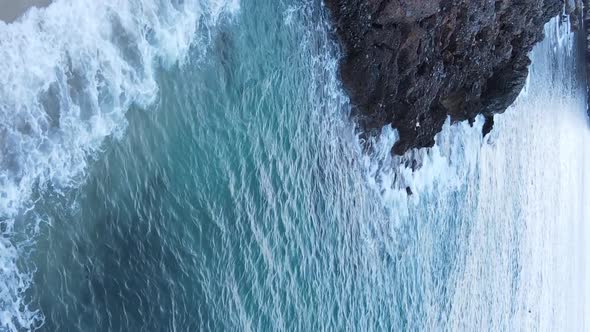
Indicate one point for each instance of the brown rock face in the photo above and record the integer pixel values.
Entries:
(412, 63)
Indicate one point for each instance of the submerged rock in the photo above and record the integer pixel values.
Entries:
(412, 63)
(409, 191)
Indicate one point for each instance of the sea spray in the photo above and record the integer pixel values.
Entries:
(507, 211)
(68, 74)
(247, 202)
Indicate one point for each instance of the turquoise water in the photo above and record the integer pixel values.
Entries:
(222, 186)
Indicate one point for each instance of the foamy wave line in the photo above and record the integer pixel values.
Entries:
(401, 180)
(453, 158)
(68, 73)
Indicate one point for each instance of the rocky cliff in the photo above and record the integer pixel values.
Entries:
(412, 63)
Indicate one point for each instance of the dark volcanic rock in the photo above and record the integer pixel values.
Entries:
(412, 63)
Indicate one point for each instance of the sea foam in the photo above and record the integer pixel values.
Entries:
(517, 200)
(68, 74)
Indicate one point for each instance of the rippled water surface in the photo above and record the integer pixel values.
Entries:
(197, 170)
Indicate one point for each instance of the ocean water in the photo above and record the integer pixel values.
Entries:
(190, 165)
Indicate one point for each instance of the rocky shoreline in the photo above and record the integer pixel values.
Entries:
(412, 63)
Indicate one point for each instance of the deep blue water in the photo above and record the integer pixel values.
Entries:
(197, 170)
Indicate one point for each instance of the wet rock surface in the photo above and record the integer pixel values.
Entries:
(412, 63)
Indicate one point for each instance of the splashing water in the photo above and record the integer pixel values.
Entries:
(190, 172)
(68, 74)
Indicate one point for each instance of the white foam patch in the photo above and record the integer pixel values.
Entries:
(525, 258)
(68, 74)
